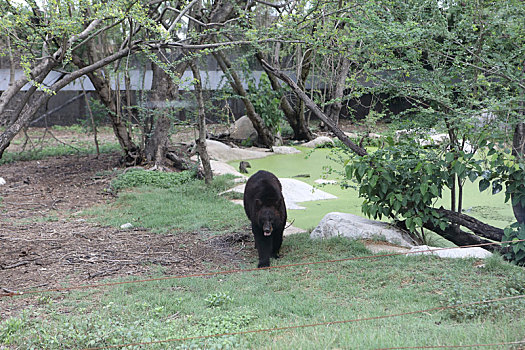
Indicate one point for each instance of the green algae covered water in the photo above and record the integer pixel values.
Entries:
(311, 165)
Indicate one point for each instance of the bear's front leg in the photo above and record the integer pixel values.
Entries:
(264, 248)
(276, 244)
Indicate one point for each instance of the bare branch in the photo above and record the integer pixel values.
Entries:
(181, 14)
(315, 109)
(275, 6)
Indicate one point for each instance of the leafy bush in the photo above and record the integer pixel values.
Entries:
(266, 102)
(404, 180)
(136, 178)
(516, 253)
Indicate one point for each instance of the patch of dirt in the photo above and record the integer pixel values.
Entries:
(45, 243)
(384, 247)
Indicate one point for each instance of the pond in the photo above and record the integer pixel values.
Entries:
(484, 206)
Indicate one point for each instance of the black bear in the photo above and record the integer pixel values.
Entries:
(264, 205)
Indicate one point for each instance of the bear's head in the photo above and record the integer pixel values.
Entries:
(267, 217)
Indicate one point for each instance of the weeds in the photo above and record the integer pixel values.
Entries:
(457, 295)
(218, 299)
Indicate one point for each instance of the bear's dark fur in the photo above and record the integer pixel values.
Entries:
(264, 205)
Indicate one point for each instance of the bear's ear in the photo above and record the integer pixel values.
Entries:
(258, 203)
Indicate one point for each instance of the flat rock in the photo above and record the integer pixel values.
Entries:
(224, 153)
(319, 141)
(473, 252)
(221, 168)
(285, 150)
(295, 191)
(325, 182)
(378, 247)
(356, 227)
(351, 135)
(2, 181)
(292, 230)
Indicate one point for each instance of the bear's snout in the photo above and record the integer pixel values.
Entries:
(267, 229)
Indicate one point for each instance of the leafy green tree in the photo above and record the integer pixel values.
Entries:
(460, 65)
(84, 38)
(48, 36)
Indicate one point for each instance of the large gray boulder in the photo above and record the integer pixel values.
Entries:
(352, 226)
(243, 129)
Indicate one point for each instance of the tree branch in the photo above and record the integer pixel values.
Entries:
(316, 110)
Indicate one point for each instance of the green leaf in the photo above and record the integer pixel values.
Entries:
(496, 187)
(361, 170)
(397, 206)
(349, 169)
(434, 190)
(373, 180)
(384, 188)
(409, 224)
(520, 256)
(423, 188)
(483, 185)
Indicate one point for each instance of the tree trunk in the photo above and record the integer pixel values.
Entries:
(265, 135)
(296, 119)
(518, 150)
(462, 238)
(474, 225)
(316, 110)
(132, 153)
(45, 66)
(28, 111)
(163, 89)
(201, 141)
(41, 70)
(335, 108)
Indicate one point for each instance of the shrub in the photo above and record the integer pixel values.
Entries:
(136, 178)
(516, 253)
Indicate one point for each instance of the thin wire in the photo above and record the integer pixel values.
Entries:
(455, 346)
(90, 286)
(307, 325)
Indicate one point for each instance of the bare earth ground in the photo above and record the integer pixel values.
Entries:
(45, 243)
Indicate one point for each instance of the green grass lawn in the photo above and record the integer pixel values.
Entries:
(191, 206)
(293, 296)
